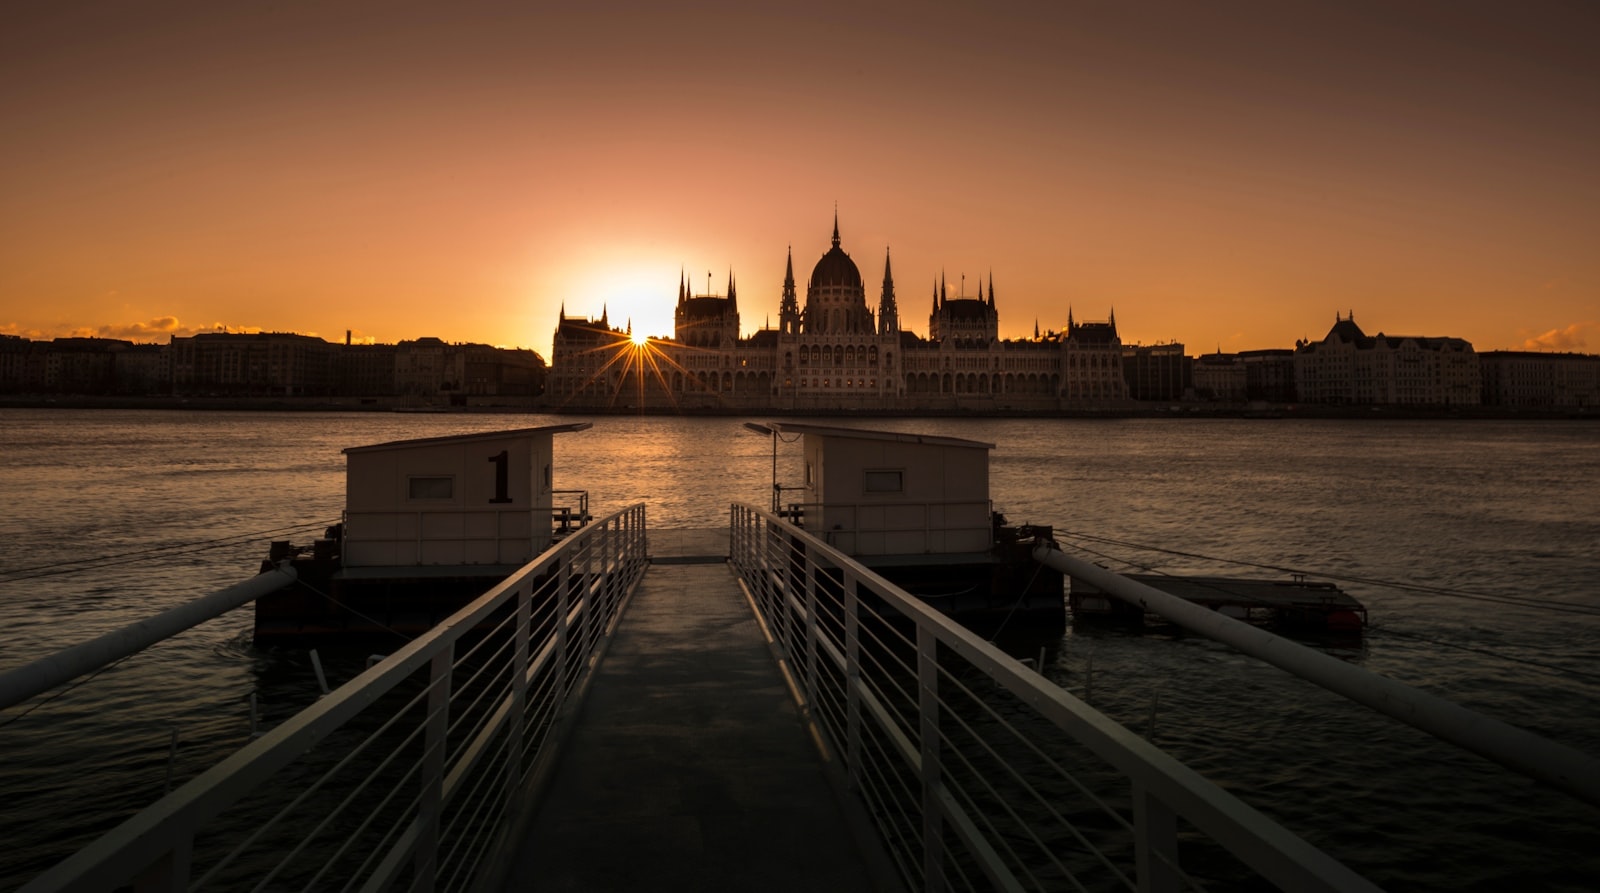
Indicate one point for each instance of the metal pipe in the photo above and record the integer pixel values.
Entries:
(1562, 767)
(26, 681)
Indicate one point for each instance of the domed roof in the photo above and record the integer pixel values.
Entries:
(835, 267)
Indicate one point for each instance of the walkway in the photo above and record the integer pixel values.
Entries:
(689, 768)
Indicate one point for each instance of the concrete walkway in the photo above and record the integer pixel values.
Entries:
(689, 768)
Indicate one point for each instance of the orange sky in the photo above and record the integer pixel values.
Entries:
(1223, 174)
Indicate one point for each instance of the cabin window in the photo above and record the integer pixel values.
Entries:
(885, 481)
(432, 487)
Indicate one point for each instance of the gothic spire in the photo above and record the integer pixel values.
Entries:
(991, 289)
(836, 226)
(788, 272)
(680, 286)
(888, 313)
(733, 298)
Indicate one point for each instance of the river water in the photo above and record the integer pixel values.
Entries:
(175, 504)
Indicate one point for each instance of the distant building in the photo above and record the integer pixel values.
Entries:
(22, 365)
(1269, 375)
(1520, 379)
(1220, 377)
(266, 364)
(367, 370)
(1157, 372)
(835, 353)
(142, 369)
(273, 364)
(1350, 367)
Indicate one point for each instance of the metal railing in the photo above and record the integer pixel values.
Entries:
(1563, 768)
(977, 771)
(408, 775)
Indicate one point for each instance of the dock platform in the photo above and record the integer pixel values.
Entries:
(1296, 604)
(689, 767)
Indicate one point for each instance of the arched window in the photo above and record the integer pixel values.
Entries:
(872, 355)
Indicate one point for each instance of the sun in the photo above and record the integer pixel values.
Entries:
(639, 338)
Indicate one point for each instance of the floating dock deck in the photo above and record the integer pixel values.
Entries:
(690, 767)
(1294, 604)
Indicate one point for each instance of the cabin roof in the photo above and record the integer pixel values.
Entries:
(862, 434)
(469, 438)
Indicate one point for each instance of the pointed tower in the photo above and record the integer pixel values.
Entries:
(888, 314)
(603, 320)
(680, 286)
(836, 227)
(733, 299)
(991, 289)
(789, 306)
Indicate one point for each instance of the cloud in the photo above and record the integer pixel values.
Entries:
(1573, 337)
(159, 329)
(11, 328)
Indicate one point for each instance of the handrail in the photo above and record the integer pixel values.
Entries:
(1557, 765)
(444, 741)
(962, 753)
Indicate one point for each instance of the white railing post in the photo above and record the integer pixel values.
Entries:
(563, 600)
(522, 632)
(852, 662)
(608, 574)
(813, 630)
(928, 732)
(1155, 843)
(435, 743)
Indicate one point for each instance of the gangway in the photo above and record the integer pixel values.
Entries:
(592, 707)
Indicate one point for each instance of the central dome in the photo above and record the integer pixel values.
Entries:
(835, 268)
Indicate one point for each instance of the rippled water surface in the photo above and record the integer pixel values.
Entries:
(1484, 508)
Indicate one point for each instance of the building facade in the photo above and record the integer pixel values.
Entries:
(1519, 379)
(836, 352)
(1350, 367)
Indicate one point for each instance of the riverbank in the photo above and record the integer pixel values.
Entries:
(1132, 410)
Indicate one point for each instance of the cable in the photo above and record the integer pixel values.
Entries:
(76, 683)
(83, 564)
(302, 526)
(372, 620)
(1551, 668)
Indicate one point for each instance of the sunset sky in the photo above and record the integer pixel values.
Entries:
(1224, 174)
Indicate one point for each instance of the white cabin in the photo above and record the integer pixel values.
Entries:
(459, 501)
(882, 493)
